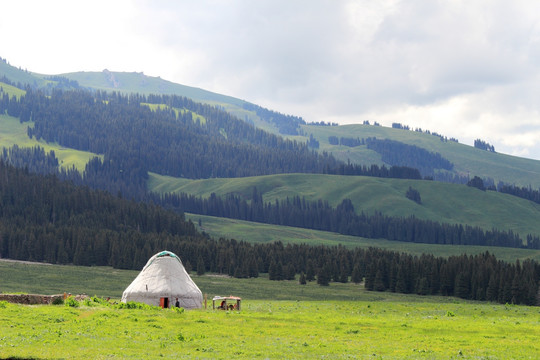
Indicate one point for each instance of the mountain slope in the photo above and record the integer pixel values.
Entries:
(467, 160)
(17, 75)
(132, 82)
(138, 142)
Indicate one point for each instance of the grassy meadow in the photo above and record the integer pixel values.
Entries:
(12, 132)
(279, 320)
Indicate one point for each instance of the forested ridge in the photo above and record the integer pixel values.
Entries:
(45, 219)
(163, 140)
(397, 153)
(343, 219)
(135, 139)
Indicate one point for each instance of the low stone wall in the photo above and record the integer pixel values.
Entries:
(33, 299)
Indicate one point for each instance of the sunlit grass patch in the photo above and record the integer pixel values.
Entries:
(274, 329)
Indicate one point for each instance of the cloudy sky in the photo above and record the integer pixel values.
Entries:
(465, 69)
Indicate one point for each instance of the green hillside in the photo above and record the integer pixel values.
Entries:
(17, 75)
(445, 203)
(12, 132)
(467, 160)
(263, 233)
(132, 82)
(10, 90)
(143, 84)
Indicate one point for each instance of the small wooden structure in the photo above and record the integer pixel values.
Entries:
(226, 302)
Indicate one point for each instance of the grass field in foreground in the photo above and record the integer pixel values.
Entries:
(274, 330)
(279, 319)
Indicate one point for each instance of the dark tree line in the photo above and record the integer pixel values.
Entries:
(396, 153)
(479, 277)
(394, 172)
(322, 123)
(286, 124)
(319, 215)
(522, 192)
(312, 142)
(483, 145)
(346, 141)
(45, 219)
(34, 159)
(401, 154)
(406, 127)
(414, 195)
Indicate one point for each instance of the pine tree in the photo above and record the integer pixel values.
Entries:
(462, 287)
(492, 291)
(356, 276)
(323, 277)
(310, 270)
(302, 279)
(378, 283)
(201, 269)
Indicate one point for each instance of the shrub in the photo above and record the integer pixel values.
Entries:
(70, 301)
(99, 300)
(136, 305)
(414, 195)
(57, 301)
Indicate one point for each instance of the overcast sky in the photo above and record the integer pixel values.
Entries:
(465, 69)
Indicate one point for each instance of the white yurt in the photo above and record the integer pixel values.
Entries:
(163, 280)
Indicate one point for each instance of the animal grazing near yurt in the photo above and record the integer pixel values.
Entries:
(164, 282)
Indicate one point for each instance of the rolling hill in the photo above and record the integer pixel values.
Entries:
(467, 160)
(441, 202)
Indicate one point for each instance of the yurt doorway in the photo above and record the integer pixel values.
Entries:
(164, 302)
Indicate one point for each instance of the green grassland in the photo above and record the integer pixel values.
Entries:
(20, 75)
(133, 82)
(13, 132)
(263, 233)
(445, 203)
(274, 330)
(466, 159)
(279, 320)
(10, 90)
